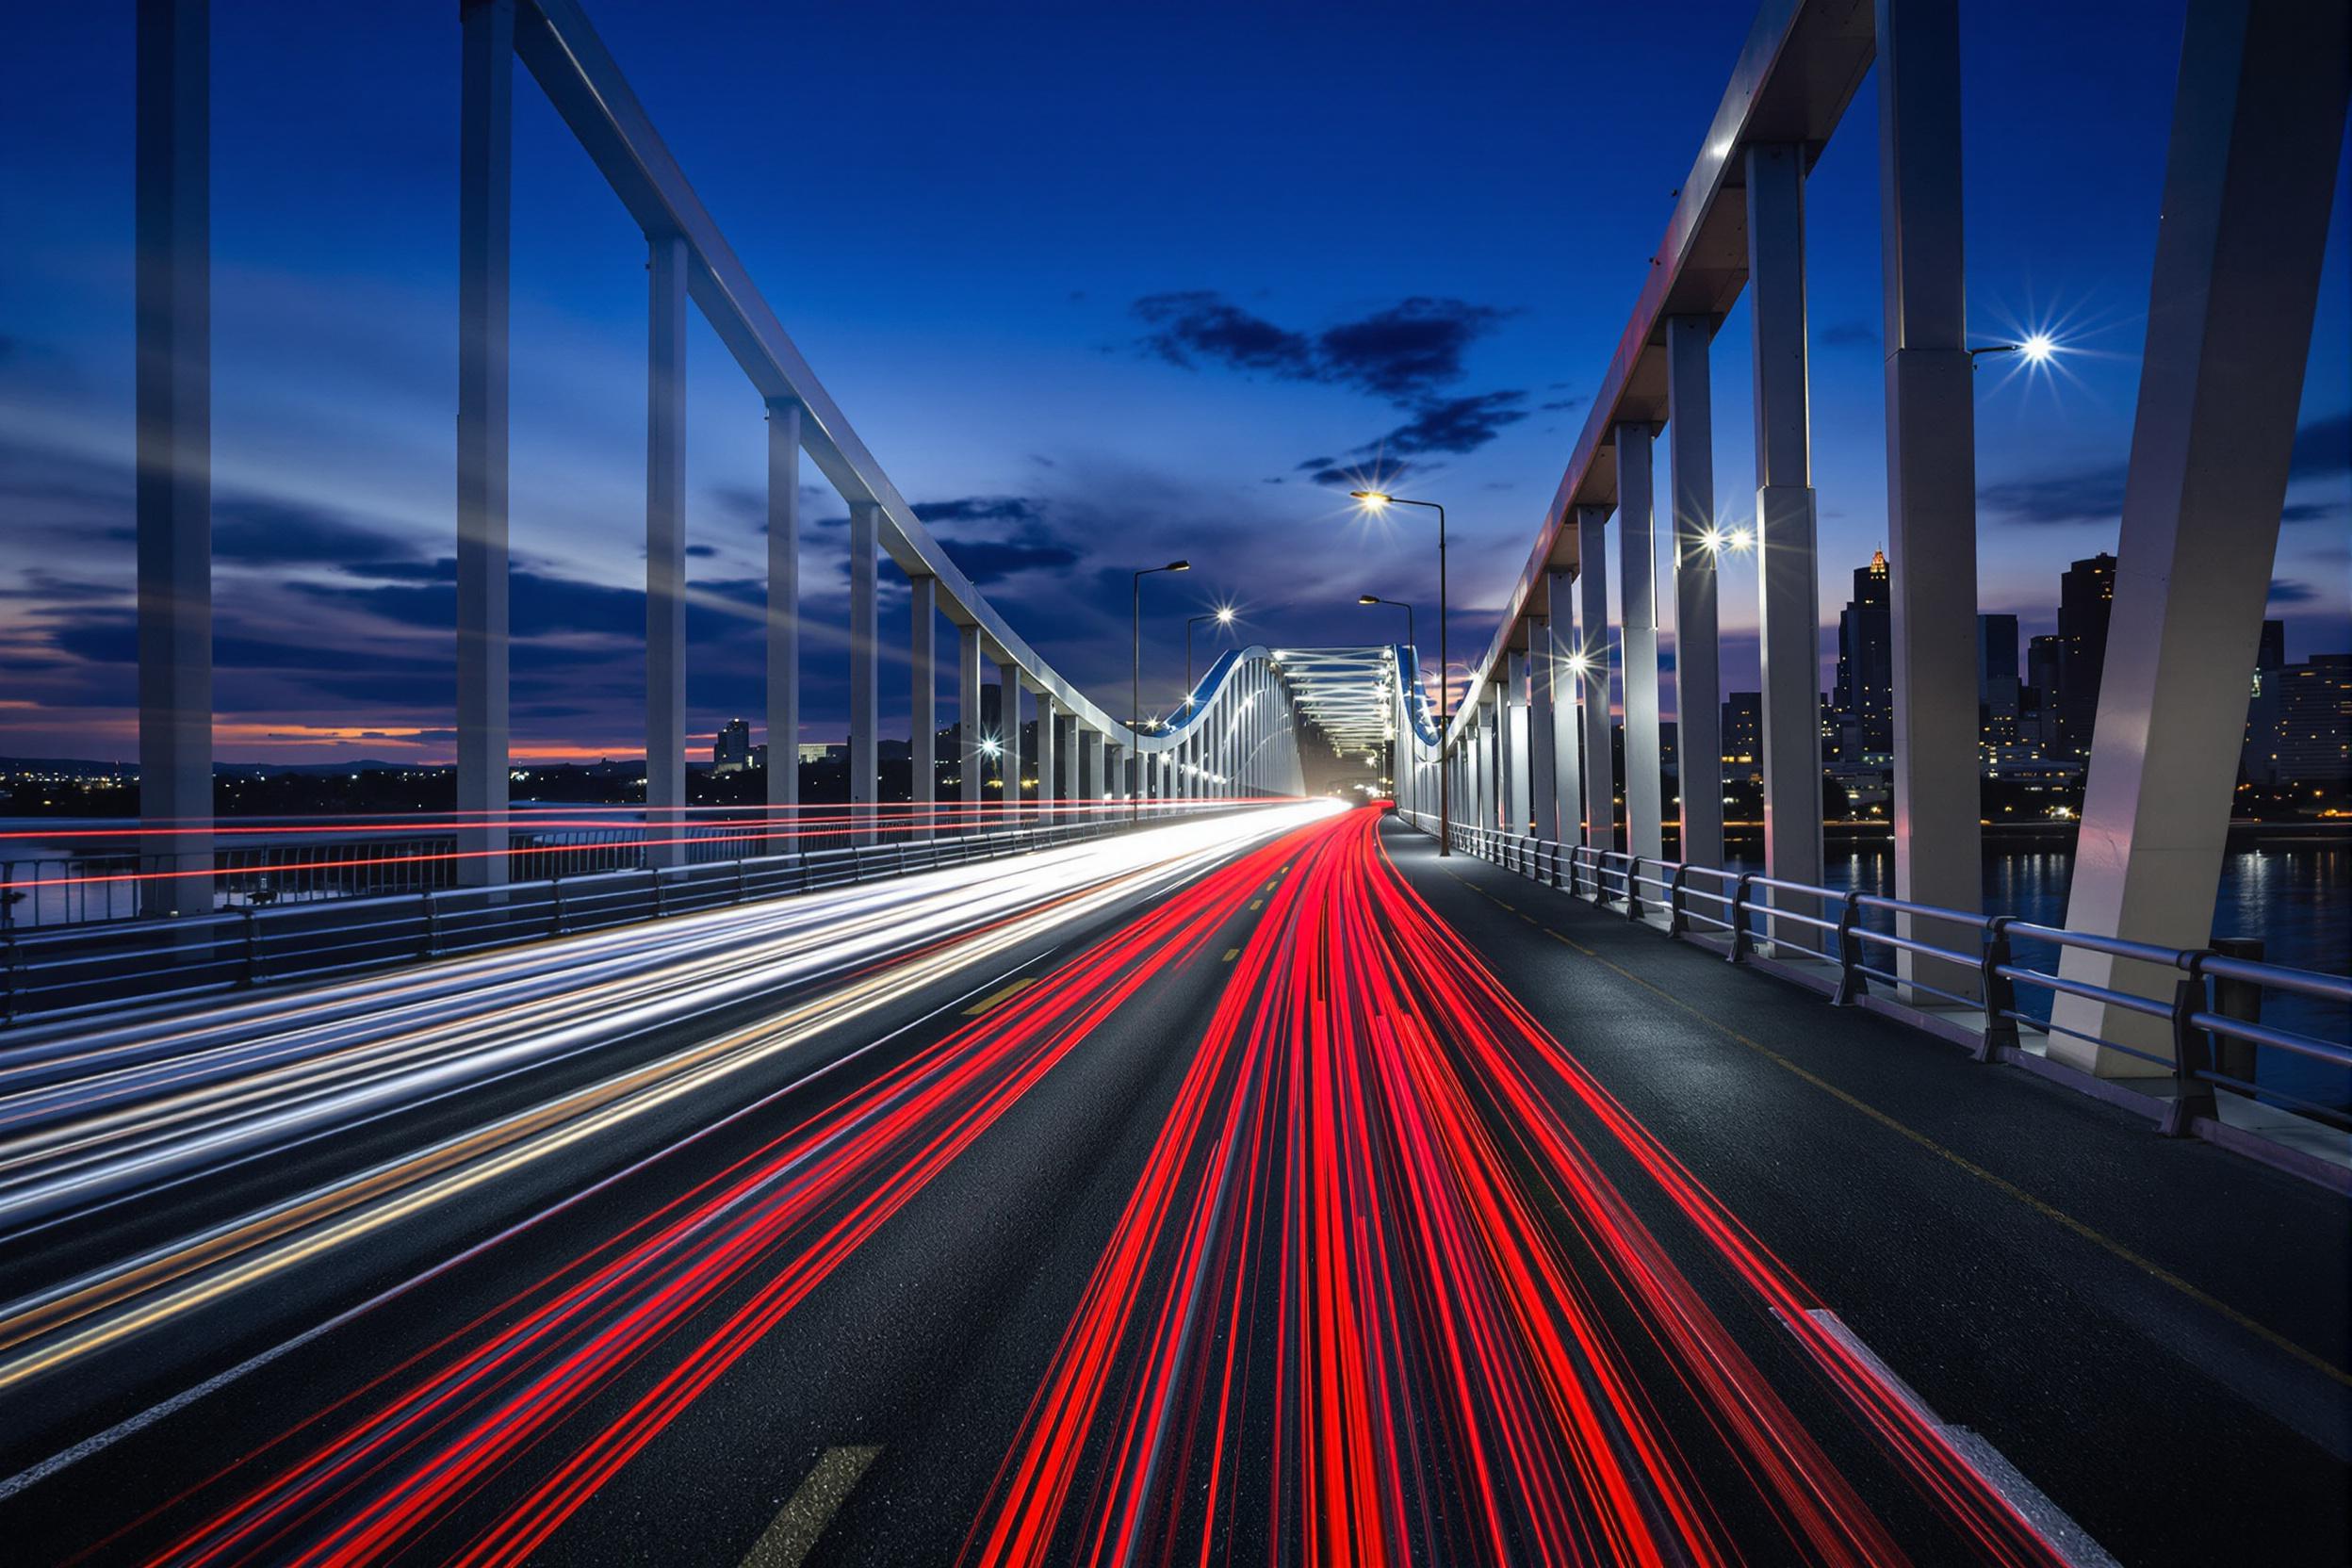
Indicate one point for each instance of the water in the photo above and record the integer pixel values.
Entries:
(2297, 900)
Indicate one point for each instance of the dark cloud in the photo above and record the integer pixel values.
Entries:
(2288, 591)
(1455, 425)
(986, 560)
(1558, 403)
(2324, 446)
(1200, 324)
(977, 509)
(254, 532)
(1407, 350)
(1847, 334)
(1404, 352)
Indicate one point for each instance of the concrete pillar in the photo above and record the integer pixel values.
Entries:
(484, 230)
(1790, 617)
(1090, 774)
(1698, 680)
(922, 722)
(1046, 757)
(973, 762)
(784, 611)
(1542, 734)
(1600, 788)
(1518, 754)
(174, 287)
(1008, 720)
(1637, 593)
(2257, 125)
(665, 555)
(1931, 481)
(1567, 713)
(865, 650)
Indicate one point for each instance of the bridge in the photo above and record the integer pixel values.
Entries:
(1349, 1116)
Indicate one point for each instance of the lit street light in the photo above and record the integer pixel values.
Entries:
(1223, 616)
(1373, 501)
(1135, 711)
(2037, 349)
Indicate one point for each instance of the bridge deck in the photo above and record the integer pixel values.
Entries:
(2153, 1331)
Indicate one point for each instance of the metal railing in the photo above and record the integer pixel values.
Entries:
(1857, 936)
(49, 970)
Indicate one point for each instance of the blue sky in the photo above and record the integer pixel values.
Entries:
(1096, 283)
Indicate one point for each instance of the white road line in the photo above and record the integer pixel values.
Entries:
(787, 1542)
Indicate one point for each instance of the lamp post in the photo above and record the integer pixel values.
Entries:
(1223, 616)
(2037, 349)
(1135, 711)
(1374, 500)
(1411, 642)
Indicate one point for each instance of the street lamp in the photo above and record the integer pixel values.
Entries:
(1223, 616)
(2037, 349)
(1135, 711)
(1373, 501)
(1374, 598)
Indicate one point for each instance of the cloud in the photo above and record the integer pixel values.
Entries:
(2083, 496)
(2289, 591)
(254, 531)
(1407, 350)
(977, 509)
(1403, 352)
(1455, 425)
(1200, 324)
(1558, 403)
(2323, 446)
(986, 560)
(1847, 334)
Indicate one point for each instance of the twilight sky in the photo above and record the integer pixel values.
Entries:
(1099, 284)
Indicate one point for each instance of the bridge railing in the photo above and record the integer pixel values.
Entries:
(52, 971)
(1987, 977)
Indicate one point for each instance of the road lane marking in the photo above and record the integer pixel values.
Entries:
(789, 1539)
(2000, 1184)
(1257, 903)
(1231, 954)
(998, 995)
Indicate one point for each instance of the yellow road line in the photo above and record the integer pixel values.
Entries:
(998, 995)
(1231, 954)
(1257, 903)
(788, 1541)
(1999, 1184)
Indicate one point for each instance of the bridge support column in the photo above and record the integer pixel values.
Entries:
(974, 734)
(175, 452)
(783, 780)
(1491, 758)
(1637, 593)
(1789, 616)
(1543, 733)
(1518, 751)
(922, 725)
(2257, 126)
(1008, 740)
(1089, 773)
(1698, 682)
(1600, 785)
(1931, 484)
(484, 230)
(665, 555)
(1047, 759)
(1560, 634)
(865, 648)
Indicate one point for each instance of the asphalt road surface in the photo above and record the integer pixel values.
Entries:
(1253, 1190)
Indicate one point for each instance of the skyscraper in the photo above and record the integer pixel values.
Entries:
(1863, 702)
(2086, 595)
(1999, 691)
(1743, 735)
(2043, 655)
(731, 752)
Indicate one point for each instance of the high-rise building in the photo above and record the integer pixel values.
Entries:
(731, 751)
(2043, 655)
(1743, 735)
(2314, 743)
(1864, 703)
(2258, 755)
(2086, 595)
(1999, 691)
